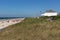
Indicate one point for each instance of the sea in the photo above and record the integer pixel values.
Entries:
(7, 18)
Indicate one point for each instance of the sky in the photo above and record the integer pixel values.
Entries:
(27, 8)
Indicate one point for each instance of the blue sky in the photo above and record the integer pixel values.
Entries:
(26, 8)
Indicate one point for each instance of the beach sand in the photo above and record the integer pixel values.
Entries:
(5, 23)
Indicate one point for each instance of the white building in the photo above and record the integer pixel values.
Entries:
(49, 13)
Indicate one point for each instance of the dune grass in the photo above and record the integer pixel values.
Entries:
(32, 29)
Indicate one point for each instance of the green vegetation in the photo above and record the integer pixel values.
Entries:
(32, 29)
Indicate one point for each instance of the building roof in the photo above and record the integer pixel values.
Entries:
(50, 11)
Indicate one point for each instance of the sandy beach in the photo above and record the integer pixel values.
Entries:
(7, 22)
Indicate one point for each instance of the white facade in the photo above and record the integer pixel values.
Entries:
(50, 14)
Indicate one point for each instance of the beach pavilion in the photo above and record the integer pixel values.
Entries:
(49, 13)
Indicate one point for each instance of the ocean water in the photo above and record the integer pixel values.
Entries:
(8, 18)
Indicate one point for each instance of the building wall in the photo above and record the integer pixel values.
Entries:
(50, 14)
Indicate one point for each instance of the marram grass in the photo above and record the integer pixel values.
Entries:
(32, 29)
